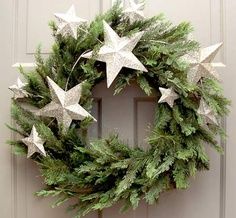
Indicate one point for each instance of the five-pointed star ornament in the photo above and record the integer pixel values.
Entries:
(34, 143)
(207, 113)
(117, 53)
(18, 89)
(64, 105)
(135, 11)
(69, 22)
(168, 96)
(201, 63)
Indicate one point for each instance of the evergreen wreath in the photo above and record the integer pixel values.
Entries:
(106, 170)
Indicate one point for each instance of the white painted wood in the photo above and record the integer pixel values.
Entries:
(204, 16)
(117, 110)
(24, 25)
(106, 4)
(7, 76)
(229, 35)
(40, 33)
(24, 65)
(31, 23)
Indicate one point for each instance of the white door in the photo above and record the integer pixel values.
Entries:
(23, 25)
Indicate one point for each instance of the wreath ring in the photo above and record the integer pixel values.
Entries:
(102, 172)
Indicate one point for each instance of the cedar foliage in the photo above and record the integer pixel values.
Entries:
(102, 172)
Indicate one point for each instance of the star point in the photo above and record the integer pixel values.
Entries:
(34, 143)
(135, 11)
(18, 89)
(207, 113)
(64, 105)
(69, 22)
(201, 65)
(117, 53)
(168, 96)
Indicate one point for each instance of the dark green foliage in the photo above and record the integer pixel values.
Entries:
(100, 173)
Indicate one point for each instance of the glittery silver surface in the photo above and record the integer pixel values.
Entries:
(69, 22)
(117, 53)
(134, 11)
(34, 143)
(18, 89)
(201, 63)
(207, 113)
(168, 96)
(64, 105)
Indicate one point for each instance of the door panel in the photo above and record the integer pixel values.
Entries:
(24, 25)
(144, 110)
(30, 29)
(121, 113)
(31, 23)
(40, 14)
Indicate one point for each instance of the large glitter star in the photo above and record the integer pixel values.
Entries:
(69, 22)
(34, 143)
(135, 11)
(201, 63)
(168, 96)
(117, 53)
(64, 105)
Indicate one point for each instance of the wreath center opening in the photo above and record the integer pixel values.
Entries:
(129, 114)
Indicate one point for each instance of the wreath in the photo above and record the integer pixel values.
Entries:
(52, 108)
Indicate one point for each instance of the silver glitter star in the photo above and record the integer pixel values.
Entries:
(18, 89)
(69, 22)
(168, 96)
(135, 11)
(117, 53)
(201, 63)
(64, 105)
(207, 113)
(34, 143)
